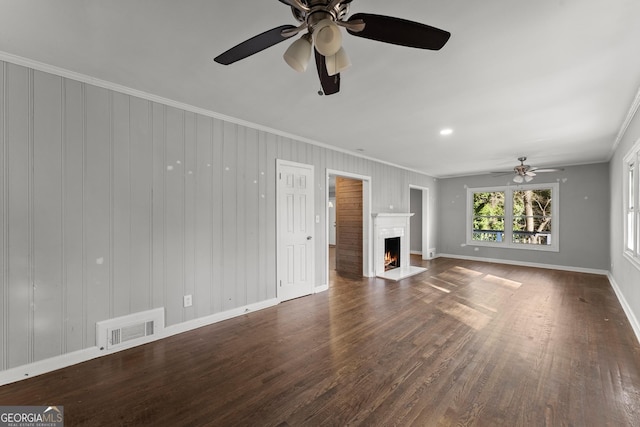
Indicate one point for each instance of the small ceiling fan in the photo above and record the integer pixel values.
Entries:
(525, 173)
(322, 19)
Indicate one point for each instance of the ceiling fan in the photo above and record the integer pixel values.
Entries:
(525, 173)
(321, 20)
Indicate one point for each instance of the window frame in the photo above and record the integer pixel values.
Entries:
(631, 202)
(507, 242)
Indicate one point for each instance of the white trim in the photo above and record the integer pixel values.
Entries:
(58, 362)
(217, 317)
(635, 262)
(367, 224)
(83, 78)
(48, 365)
(424, 220)
(526, 264)
(633, 320)
(625, 124)
(415, 252)
(321, 288)
(632, 156)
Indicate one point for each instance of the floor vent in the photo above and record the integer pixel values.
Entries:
(127, 331)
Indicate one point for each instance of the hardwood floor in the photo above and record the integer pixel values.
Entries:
(465, 343)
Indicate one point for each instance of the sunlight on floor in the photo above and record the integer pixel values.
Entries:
(502, 281)
(465, 314)
(438, 287)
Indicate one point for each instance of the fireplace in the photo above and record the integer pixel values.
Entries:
(391, 253)
(391, 246)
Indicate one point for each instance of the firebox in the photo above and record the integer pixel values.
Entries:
(391, 253)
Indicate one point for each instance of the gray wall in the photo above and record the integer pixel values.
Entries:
(112, 204)
(584, 218)
(625, 274)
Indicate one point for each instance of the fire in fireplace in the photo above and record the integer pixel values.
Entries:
(391, 253)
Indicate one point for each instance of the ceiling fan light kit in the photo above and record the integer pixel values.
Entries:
(327, 37)
(297, 56)
(323, 19)
(338, 63)
(520, 178)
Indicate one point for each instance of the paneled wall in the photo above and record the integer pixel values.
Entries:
(349, 226)
(112, 204)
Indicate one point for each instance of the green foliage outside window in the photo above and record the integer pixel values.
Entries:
(488, 216)
(532, 216)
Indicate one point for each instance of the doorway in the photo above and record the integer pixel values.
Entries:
(419, 233)
(295, 230)
(341, 227)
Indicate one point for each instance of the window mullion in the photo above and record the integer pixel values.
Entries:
(508, 217)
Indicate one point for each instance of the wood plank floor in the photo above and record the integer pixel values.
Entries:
(465, 343)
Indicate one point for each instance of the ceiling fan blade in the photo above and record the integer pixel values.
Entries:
(548, 170)
(400, 31)
(330, 84)
(255, 44)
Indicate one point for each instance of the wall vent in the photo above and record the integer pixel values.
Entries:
(130, 330)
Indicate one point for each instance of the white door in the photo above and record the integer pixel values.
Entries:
(295, 212)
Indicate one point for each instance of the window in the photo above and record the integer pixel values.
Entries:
(631, 208)
(521, 217)
(631, 205)
(532, 216)
(488, 216)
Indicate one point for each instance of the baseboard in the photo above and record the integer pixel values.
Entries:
(58, 362)
(415, 252)
(48, 365)
(633, 320)
(321, 288)
(217, 317)
(527, 264)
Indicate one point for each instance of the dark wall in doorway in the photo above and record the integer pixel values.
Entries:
(349, 226)
(416, 220)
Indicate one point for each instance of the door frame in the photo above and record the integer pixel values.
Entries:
(279, 164)
(425, 218)
(367, 223)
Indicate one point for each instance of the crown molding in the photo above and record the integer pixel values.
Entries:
(633, 109)
(83, 78)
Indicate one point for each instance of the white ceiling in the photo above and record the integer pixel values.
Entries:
(550, 79)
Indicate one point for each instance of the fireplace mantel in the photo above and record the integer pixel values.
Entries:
(387, 225)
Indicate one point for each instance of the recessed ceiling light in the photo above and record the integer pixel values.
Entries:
(446, 131)
(360, 149)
